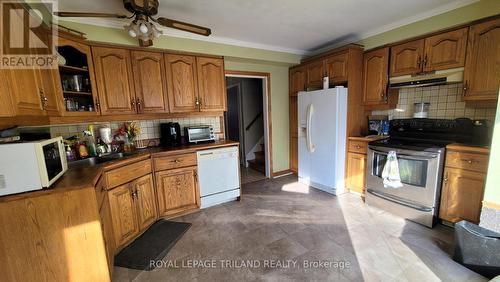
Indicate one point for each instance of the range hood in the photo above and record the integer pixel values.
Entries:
(427, 79)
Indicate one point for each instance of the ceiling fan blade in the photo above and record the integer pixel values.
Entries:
(184, 26)
(93, 15)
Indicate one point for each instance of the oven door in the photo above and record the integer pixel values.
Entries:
(420, 173)
(51, 160)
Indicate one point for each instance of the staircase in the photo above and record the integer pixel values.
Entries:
(259, 163)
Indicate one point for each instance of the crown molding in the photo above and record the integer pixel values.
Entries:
(119, 24)
(418, 17)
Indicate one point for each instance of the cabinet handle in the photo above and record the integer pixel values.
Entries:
(469, 161)
(43, 99)
(175, 161)
(425, 60)
(419, 61)
(445, 180)
(464, 93)
(199, 104)
(132, 102)
(97, 105)
(139, 104)
(358, 147)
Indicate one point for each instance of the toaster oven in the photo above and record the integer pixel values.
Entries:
(199, 133)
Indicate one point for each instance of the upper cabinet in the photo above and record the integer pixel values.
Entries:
(375, 68)
(150, 83)
(438, 52)
(407, 58)
(6, 109)
(482, 67)
(445, 50)
(297, 80)
(211, 84)
(113, 70)
(315, 74)
(76, 79)
(336, 68)
(182, 83)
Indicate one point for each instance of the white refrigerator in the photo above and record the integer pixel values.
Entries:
(322, 118)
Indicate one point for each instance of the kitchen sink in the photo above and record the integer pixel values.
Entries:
(98, 160)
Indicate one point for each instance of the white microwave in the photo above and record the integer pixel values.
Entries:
(28, 166)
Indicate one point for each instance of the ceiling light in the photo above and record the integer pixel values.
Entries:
(143, 28)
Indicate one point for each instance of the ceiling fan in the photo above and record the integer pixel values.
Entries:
(142, 26)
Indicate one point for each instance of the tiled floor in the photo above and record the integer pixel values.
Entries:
(249, 175)
(280, 219)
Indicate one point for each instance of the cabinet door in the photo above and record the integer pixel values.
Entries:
(375, 72)
(482, 67)
(146, 201)
(293, 123)
(356, 164)
(177, 190)
(315, 74)
(149, 81)
(26, 91)
(336, 68)
(445, 50)
(407, 58)
(461, 195)
(297, 81)
(294, 154)
(6, 109)
(181, 83)
(211, 84)
(52, 91)
(114, 80)
(107, 231)
(123, 214)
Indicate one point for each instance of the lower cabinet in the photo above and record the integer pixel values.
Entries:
(107, 232)
(178, 190)
(133, 208)
(356, 164)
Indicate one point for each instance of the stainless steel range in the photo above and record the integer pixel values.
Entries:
(420, 148)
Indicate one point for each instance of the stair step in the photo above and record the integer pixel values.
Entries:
(262, 147)
(257, 165)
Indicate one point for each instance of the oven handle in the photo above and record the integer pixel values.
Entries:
(394, 200)
(430, 157)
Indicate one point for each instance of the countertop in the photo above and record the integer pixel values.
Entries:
(82, 177)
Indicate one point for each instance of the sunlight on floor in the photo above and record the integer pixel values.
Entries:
(295, 187)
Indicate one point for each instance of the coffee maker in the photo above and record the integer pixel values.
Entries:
(170, 134)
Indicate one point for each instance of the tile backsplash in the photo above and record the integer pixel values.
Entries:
(446, 102)
(149, 129)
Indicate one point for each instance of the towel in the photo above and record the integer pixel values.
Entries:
(390, 174)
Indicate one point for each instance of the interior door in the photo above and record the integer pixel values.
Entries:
(123, 213)
(149, 81)
(114, 80)
(146, 201)
(182, 83)
(445, 50)
(211, 84)
(407, 58)
(177, 190)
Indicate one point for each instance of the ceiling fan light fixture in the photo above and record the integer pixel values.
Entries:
(143, 28)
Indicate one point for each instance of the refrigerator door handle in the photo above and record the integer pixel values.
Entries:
(310, 146)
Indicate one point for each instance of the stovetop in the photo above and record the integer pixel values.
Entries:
(411, 144)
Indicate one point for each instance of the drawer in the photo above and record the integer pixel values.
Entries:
(468, 161)
(357, 147)
(127, 173)
(176, 161)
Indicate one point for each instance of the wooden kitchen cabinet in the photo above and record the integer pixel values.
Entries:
(315, 74)
(211, 84)
(375, 76)
(336, 68)
(356, 175)
(298, 78)
(464, 178)
(107, 231)
(146, 201)
(115, 83)
(445, 50)
(294, 154)
(6, 106)
(181, 83)
(51, 91)
(150, 82)
(407, 58)
(26, 92)
(123, 213)
(482, 67)
(177, 190)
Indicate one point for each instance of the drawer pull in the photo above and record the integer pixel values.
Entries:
(469, 161)
(358, 147)
(175, 161)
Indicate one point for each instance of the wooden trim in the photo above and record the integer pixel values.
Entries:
(335, 51)
(444, 30)
(491, 205)
(281, 173)
(266, 75)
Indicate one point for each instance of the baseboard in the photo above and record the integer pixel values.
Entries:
(281, 173)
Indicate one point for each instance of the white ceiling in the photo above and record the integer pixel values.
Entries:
(296, 26)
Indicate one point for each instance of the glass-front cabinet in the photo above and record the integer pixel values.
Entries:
(76, 72)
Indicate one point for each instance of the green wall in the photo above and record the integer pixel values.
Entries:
(236, 58)
(478, 10)
(492, 190)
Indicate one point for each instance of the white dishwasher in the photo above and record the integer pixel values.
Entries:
(218, 176)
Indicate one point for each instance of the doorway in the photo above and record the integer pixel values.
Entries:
(246, 121)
